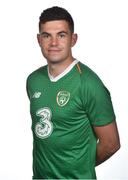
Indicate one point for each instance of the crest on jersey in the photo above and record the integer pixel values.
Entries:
(63, 98)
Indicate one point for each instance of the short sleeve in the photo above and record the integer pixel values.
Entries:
(27, 87)
(97, 101)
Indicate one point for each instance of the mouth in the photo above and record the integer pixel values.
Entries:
(54, 50)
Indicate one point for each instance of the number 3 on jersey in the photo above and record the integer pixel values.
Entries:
(44, 128)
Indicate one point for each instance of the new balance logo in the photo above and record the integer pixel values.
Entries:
(36, 95)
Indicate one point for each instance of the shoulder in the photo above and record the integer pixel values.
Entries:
(37, 73)
(91, 83)
(88, 76)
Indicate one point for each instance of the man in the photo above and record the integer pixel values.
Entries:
(73, 121)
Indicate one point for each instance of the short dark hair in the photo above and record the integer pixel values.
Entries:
(56, 13)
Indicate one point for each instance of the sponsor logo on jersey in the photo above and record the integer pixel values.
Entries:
(36, 95)
(63, 98)
(44, 127)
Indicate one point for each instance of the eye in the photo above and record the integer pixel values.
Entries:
(45, 35)
(62, 35)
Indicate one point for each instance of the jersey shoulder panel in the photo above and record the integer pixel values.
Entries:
(90, 80)
(88, 74)
(40, 71)
(34, 78)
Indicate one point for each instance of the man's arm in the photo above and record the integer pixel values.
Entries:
(108, 141)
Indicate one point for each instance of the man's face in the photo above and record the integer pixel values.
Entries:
(56, 41)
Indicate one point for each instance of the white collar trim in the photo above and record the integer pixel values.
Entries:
(55, 79)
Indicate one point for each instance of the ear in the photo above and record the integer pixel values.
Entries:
(39, 39)
(74, 39)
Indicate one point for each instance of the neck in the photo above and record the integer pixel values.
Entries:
(57, 68)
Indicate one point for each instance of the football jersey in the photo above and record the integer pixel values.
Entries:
(63, 111)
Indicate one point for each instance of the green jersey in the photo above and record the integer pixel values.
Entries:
(64, 110)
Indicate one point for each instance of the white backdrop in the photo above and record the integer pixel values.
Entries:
(102, 27)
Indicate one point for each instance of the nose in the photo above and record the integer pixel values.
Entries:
(54, 41)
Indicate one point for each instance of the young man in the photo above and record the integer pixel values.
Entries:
(73, 121)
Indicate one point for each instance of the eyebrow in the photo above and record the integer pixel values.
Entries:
(64, 32)
(44, 33)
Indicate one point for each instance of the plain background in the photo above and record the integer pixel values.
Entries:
(102, 27)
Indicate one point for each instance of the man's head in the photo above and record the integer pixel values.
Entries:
(56, 35)
(56, 13)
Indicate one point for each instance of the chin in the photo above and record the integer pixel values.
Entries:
(54, 60)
